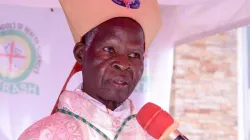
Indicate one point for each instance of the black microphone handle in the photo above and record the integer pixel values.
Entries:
(177, 135)
(181, 137)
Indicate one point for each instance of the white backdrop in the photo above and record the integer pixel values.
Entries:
(25, 101)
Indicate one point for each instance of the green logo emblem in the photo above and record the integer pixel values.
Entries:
(18, 58)
(18, 55)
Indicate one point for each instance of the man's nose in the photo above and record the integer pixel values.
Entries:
(121, 64)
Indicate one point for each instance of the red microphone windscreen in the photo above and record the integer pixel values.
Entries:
(154, 120)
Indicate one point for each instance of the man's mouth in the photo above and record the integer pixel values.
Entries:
(120, 82)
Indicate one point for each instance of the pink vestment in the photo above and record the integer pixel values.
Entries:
(61, 126)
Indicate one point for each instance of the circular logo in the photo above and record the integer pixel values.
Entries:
(17, 56)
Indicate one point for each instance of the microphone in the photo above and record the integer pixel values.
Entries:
(158, 123)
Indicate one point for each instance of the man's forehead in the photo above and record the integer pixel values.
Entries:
(120, 29)
(121, 34)
(115, 28)
(119, 22)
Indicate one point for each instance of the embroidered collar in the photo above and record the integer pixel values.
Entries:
(83, 105)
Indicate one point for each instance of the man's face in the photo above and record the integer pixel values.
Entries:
(113, 64)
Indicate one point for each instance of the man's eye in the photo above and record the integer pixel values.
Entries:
(109, 49)
(135, 55)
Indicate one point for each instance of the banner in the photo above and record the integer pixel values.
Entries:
(36, 57)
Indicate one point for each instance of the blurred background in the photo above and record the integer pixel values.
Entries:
(210, 86)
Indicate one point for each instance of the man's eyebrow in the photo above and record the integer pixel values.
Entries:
(141, 49)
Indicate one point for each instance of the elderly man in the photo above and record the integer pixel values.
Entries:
(111, 42)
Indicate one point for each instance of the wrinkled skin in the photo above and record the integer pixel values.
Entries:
(113, 63)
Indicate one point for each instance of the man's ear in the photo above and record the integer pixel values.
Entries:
(79, 52)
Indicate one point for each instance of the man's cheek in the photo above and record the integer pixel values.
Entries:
(139, 73)
(101, 69)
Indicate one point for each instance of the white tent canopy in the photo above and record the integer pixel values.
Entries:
(186, 20)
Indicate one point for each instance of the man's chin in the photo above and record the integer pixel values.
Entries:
(116, 97)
